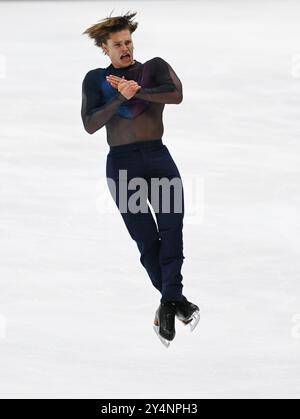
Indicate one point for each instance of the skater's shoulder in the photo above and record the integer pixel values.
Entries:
(94, 72)
(155, 60)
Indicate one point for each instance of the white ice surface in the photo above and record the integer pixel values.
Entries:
(76, 305)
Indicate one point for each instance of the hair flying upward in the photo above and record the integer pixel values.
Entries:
(100, 31)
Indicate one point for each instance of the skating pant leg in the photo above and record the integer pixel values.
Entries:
(168, 205)
(141, 226)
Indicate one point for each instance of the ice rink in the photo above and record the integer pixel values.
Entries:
(76, 305)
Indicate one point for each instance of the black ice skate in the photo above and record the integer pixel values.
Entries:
(164, 322)
(187, 312)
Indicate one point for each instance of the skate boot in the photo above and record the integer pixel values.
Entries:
(187, 312)
(164, 322)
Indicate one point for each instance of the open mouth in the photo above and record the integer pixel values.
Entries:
(125, 57)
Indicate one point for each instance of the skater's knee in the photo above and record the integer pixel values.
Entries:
(148, 246)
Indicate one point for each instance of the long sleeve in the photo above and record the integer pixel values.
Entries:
(94, 112)
(169, 87)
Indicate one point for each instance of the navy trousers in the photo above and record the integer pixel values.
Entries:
(160, 241)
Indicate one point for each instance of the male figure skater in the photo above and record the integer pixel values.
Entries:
(128, 98)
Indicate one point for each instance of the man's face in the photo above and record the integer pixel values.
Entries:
(118, 45)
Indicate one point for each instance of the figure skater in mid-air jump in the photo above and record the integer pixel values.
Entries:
(128, 98)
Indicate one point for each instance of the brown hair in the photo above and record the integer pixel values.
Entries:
(100, 31)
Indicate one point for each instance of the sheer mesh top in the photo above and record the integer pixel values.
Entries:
(136, 119)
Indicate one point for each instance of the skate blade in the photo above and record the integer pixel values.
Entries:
(164, 341)
(193, 320)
